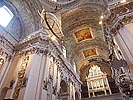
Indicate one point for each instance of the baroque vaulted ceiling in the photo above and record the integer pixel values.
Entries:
(83, 35)
(27, 13)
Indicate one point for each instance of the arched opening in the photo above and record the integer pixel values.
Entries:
(63, 91)
(5, 16)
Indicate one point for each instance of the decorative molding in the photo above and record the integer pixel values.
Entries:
(127, 19)
(121, 9)
(7, 45)
(125, 84)
(120, 16)
(59, 4)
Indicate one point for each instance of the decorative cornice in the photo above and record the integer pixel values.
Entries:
(59, 4)
(119, 23)
(32, 40)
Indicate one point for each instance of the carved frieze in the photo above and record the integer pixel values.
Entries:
(120, 16)
(121, 9)
(127, 19)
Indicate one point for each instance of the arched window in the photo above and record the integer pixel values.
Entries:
(5, 16)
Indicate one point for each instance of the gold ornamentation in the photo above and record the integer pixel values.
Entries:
(21, 77)
(90, 52)
(83, 34)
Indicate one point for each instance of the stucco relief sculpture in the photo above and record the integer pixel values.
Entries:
(125, 83)
(50, 22)
(124, 79)
(1, 63)
(21, 77)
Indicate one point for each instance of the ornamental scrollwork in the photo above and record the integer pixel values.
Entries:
(125, 84)
(11, 84)
(21, 77)
(123, 78)
(47, 81)
(55, 89)
(1, 63)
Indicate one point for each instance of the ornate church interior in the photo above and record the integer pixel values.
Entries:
(66, 50)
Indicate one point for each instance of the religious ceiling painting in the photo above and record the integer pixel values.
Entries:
(90, 52)
(83, 34)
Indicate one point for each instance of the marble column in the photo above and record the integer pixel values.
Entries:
(35, 78)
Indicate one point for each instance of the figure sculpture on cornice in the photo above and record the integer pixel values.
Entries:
(51, 23)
